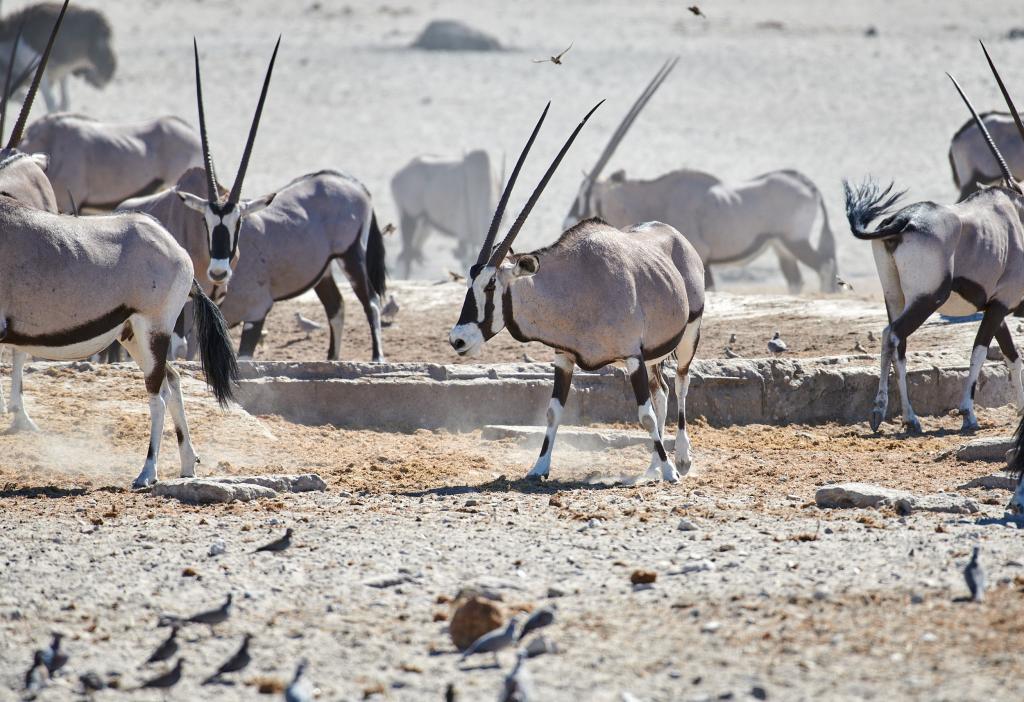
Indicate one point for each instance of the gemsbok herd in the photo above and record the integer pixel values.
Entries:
(174, 258)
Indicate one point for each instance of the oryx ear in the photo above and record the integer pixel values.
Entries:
(249, 207)
(526, 265)
(42, 160)
(193, 202)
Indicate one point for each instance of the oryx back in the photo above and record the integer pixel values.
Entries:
(22, 178)
(972, 161)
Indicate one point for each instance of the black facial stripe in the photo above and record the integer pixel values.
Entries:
(220, 242)
(487, 325)
(468, 314)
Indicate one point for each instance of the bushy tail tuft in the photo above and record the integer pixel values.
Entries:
(218, 357)
(375, 258)
(866, 203)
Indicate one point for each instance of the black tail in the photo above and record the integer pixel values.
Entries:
(375, 258)
(865, 204)
(218, 357)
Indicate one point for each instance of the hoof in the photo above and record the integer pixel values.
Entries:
(877, 415)
(683, 467)
(536, 477)
(912, 426)
(669, 474)
(143, 482)
(22, 424)
(379, 359)
(969, 426)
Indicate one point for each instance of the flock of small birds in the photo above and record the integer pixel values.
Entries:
(47, 662)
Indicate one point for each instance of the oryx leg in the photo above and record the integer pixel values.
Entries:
(22, 422)
(251, 332)
(354, 263)
(790, 270)
(334, 306)
(993, 318)
(179, 342)
(171, 394)
(149, 349)
(812, 258)
(408, 225)
(685, 352)
(46, 88)
(564, 366)
(1014, 363)
(638, 377)
(894, 351)
(709, 281)
(3, 400)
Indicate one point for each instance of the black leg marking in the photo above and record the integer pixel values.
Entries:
(251, 332)
(181, 437)
(544, 446)
(1005, 341)
(330, 298)
(158, 345)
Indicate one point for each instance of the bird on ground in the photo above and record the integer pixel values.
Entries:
(974, 574)
(91, 682)
(732, 339)
(517, 683)
(843, 285)
(167, 649)
(696, 11)
(545, 616)
(36, 676)
(859, 348)
(729, 353)
(871, 337)
(53, 658)
(237, 662)
(493, 641)
(209, 617)
(307, 325)
(557, 58)
(298, 690)
(776, 345)
(165, 680)
(449, 693)
(278, 544)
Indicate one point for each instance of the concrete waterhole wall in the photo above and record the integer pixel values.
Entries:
(409, 396)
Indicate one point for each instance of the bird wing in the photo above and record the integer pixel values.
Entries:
(566, 49)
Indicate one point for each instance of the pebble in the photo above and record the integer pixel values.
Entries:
(758, 693)
(916, 598)
(554, 591)
(710, 627)
(687, 525)
(217, 548)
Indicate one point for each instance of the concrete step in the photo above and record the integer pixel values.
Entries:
(582, 438)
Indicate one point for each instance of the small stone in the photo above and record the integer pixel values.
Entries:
(929, 637)
(758, 693)
(822, 593)
(916, 598)
(217, 548)
(555, 591)
(472, 618)
(710, 627)
(643, 577)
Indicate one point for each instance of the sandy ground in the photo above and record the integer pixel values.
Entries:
(802, 602)
(806, 604)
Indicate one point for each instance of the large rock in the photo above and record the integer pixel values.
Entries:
(303, 482)
(865, 495)
(452, 35)
(997, 481)
(473, 617)
(991, 448)
(199, 491)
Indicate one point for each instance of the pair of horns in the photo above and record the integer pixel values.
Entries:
(10, 86)
(495, 256)
(627, 121)
(1007, 174)
(212, 194)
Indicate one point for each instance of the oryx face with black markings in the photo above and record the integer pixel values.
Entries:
(482, 311)
(223, 217)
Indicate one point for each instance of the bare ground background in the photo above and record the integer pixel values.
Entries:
(804, 603)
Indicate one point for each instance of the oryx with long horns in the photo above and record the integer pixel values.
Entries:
(955, 259)
(727, 223)
(223, 215)
(969, 156)
(70, 286)
(599, 295)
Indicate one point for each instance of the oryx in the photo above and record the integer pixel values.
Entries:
(104, 163)
(85, 48)
(453, 196)
(969, 156)
(598, 295)
(727, 223)
(956, 259)
(1016, 469)
(286, 249)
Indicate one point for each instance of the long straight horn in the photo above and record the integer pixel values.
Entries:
(19, 126)
(211, 175)
(627, 121)
(236, 189)
(506, 244)
(499, 212)
(1006, 93)
(7, 80)
(988, 137)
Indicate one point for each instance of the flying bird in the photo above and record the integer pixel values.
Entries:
(278, 544)
(165, 680)
(493, 641)
(545, 616)
(307, 325)
(776, 345)
(53, 658)
(695, 10)
(167, 649)
(557, 59)
(298, 690)
(456, 277)
(237, 662)
(974, 574)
